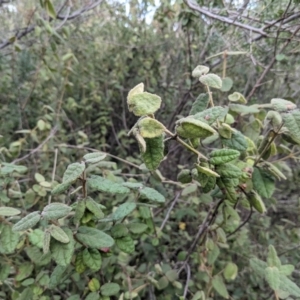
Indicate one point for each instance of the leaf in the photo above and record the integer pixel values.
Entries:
(123, 211)
(58, 276)
(119, 230)
(150, 128)
(79, 211)
(258, 266)
(227, 84)
(162, 283)
(219, 286)
(284, 270)
(211, 80)
(154, 153)
(94, 238)
(50, 9)
(24, 271)
(73, 172)
(94, 285)
(138, 89)
(222, 156)
(109, 289)
(211, 115)
(256, 201)
(62, 253)
(184, 176)
(55, 211)
(292, 123)
(152, 195)
(93, 207)
(93, 158)
(263, 183)
(46, 242)
(229, 170)
(206, 171)
(172, 275)
(237, 97)
(92, 259)
(57, 233)
(27, 222)
(36, 237)
(9, 211)
(289, 286)
(133, 185)
(125, 244)
(60, 188)
(80, 267)
(200, 104)
(4, 271)
(199, 71)
(142, 104)
(272, 277)
(141, 141)
(102, 184)
(230, 271)
(237, 141)
(92, 296)
(190, 128)
(137, 228)
(8, 239)
(272, 259)
(282, 105)
(243, 109)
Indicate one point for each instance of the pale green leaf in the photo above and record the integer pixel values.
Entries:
(289, 286)
(119, 230)
(102, 184)
(237, 141)
(55, 211)
(94, 238)
(237, 97)
(200, 70)
(92, 296)
(133, 185)
(256, 201)
(263, 183)
(292, 123)
(110, 289)
(212, 114)
(222, 156)
(230, 271)
(152, 195)
(272, 276)
(73, 172)
(58, 276)
(9, 211)
(50, 9)
(138, 89)
(227, 84)
(92, 259)
(60, 188)
(125, 244)
(79, 211)
(93, 207)
(200, 104)
(24, 271)
(286, 269)
(8, 239)
(27, 222)
(137, 228)
(123, 210)
(258, 266)
(219, 286)
(273, 259)
(282, 105)
(93, 158)
(206, 171)
(36, 237)
(243, 109)
(59, 234)
(150, 128)
(211, 80)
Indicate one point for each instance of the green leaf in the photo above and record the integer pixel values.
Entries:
(213, 254)
(154, 153)
(272, 259)
(230, 271)
(237, 141)
(237, 97)
(138, 89)
(24, 271)
(292, 123)
(80, 267)
(258, 266)
(92, 296)
(289, 286)
(263, 183)
(145, 212)
(93, 207)
(93, 158)
(50, 9)
(62, 253)
(57, 233)
(206, 171)
(73, 172)
(272, 276)
(150, 128)
(46, 242)
(219, 286)
(9, 211)
(222, 156)
(8, 239)
(227, 84)
(102, 184)
(152, 195)
(284, 270)
(200, 104)
(200, 70)
(36, 237)
(110, 289)
(119, 230)
(60, 188)
(92, 259)
(94, 285)
(94, 238)
(58, 276)
(143, 103)
(133, 185)
(162, 283)
(190, 128)
(79, 211)
(55, 211)
(256, 201)
(137, 228)
(184, 176)
(211, 80)
(27, 222)
(172, 275)
(282, 105)
(211, 115)
(125, 244)
(229, 170)
(141, 141)
(4, 271)
(243, 109)
(123, 211)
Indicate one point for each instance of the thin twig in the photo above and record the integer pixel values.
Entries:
(242, 225)
(169, 211)
(188, 277)
(53, 172)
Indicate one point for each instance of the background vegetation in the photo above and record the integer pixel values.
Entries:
(66, 68)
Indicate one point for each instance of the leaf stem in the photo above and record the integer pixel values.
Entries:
(210, 96)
